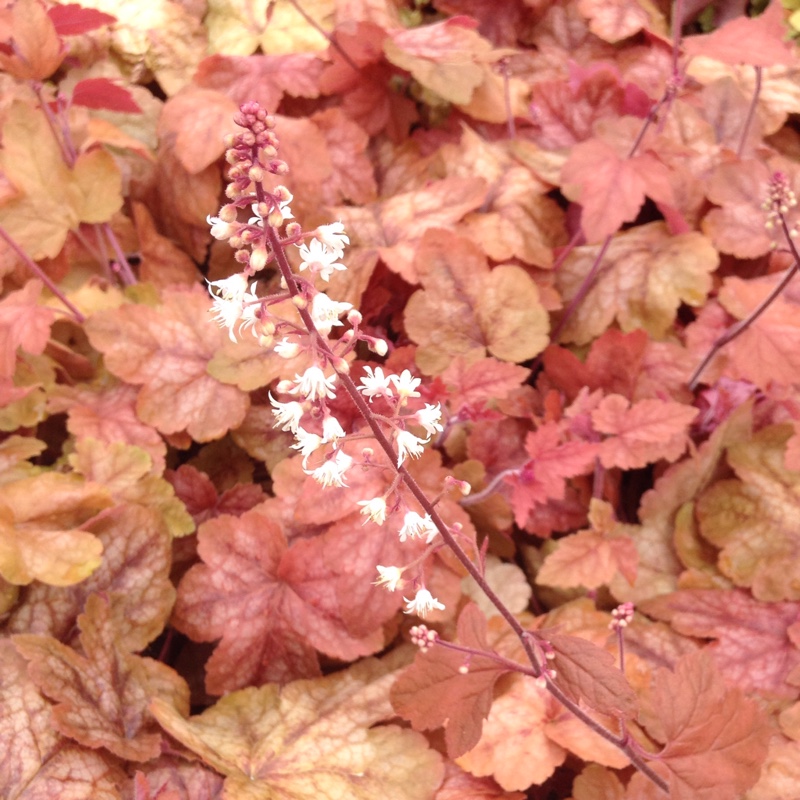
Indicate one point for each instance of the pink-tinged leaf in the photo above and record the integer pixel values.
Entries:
(103, 93)
(643, 433)
(753, 649)
(716, 738)
(72, 19)
(23, 324)
(761, 41)
(433, 692)
(589, 674)
(610, 190)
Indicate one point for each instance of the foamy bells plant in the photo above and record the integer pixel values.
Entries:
(302, 403)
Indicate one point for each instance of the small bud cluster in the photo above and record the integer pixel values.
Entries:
(778, 204)
(423, 637)
(548, 673)
(622, 616)
(297, 322)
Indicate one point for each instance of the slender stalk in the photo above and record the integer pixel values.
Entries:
(751, 113)
(333, 43)
(41, 274)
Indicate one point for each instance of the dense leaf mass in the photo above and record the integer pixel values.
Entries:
(567, 242)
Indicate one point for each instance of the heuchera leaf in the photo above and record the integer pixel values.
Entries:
(310, 740)
(23, 323)
(587, 673)
(716, 738)
(103, 93)
(271, 605)
(72, 19)
(40, 529)
(751, 519)
(101, 695)
(434, 693)
(753, 649)
(642, 433)
(39, 763)
(133, 575)
(37, 50)
(760, 41)
(592, 557)
(647, 273)
(467, 309)
(166, 350)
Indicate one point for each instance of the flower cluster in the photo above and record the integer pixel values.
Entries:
(779, 202)
(622, 616)
(297, 322)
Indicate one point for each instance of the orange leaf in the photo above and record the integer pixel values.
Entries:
(643, 433)
(101, 697)
(37, 50)
(716, 739)
(467, 309)
(761, 41)
(23, 324)
(434, 693)
(40, 529)
(166, 349)
(311, 739)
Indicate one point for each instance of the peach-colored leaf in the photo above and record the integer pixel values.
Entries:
(467, 309)
(37, 50)
(101, 696)
(166, 349)
(645, 275)
(643, 433)
(40, 529)
(312, 739)
(24, 324)
(716, 739)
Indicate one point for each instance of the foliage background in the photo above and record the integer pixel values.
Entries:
(555, 211)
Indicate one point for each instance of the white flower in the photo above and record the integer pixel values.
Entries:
(406, 384)
(229, 296)
(283, 205)
(423, 603)
(331, 429)
(390, 577)
(334, 237)
(313, 384)
(332, 472)
(287, 415)
(286, 348)
(374, 510)
(320, 259)
(220, 229)
(429, 417)
(375, 383)
(326, 312)
(408, 445)
(306, 443)
(415, 526)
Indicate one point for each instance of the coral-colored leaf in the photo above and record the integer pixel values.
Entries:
(166, 349)
(716, 739)
(646, 274)
(103, 93)
(467, 309)
(40, 533)
(311, 739)
(101, 695)
(759, 41)
(37, 50)
(615, 20)
(514, 746)
(753, 648)
(587, 673)
(642, 433)
(271, 605)
(434, 693)
(73, 19)
(37, 762)
(24, 324)
(592, 557)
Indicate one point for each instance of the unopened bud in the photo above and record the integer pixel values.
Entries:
(258, 258)
(263, 209)
(294, 230)
(242, 256)
(340, 365)
(228, 213)
(300, 301)
(379, 347)
(275, 218)
(277, 167)
(255, 173)
(354, 317)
